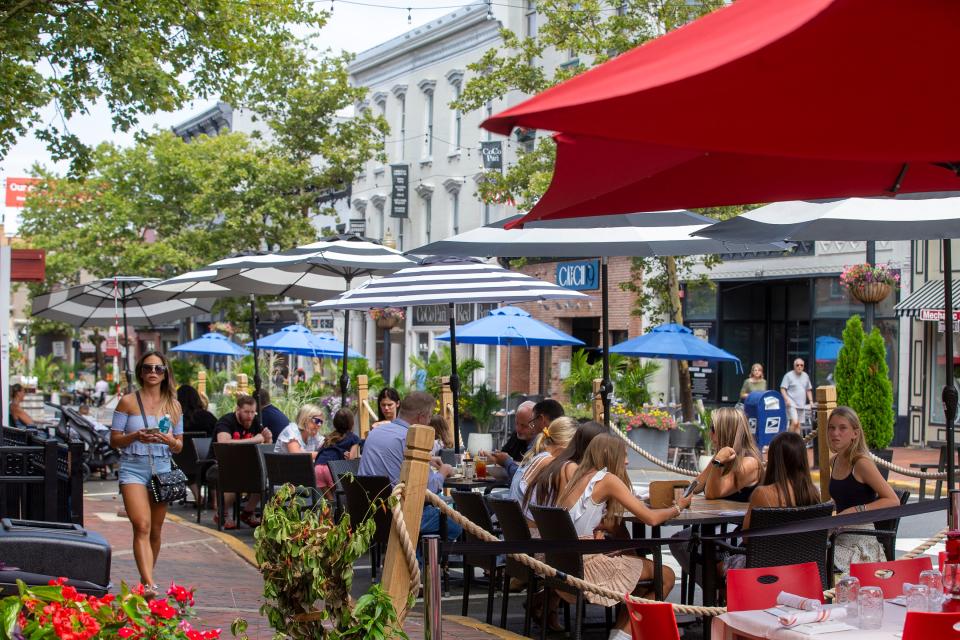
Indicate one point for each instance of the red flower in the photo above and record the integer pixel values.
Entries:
(162, 609)
(126, 632)
(236, 435)
(181, 594)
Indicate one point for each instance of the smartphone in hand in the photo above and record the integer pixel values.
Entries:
(691, 489)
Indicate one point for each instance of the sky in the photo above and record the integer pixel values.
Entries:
(351, 27)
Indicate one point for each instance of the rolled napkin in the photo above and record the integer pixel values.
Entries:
(797, 602)
(806, 617)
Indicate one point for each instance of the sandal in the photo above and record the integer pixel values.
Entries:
(228, 524)
(249, 518)
(150, 591)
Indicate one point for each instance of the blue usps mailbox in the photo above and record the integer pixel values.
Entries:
(766, 414)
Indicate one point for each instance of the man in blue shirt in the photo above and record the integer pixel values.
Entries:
(271, 417)
(383, 454)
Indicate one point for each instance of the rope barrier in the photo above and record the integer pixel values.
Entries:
(370, 411)
(652, 458)
(908, 472)
(546, 570)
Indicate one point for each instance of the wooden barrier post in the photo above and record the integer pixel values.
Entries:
(446, 408)
(363, 394)
(242, 384)
(597, 401)
(414, 473)
(826, 403)
(202, 385)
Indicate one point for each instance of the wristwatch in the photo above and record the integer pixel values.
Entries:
(716, 463)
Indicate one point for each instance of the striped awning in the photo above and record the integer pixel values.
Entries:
(927, 298)
(444, 280)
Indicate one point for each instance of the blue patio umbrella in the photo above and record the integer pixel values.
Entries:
(296, 339)
(827, 348)
(212, 344)
(674, 342)
(330, 342)
(511, 327)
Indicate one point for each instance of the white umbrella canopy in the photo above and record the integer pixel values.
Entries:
(108, 301)
(445, 280)
(262, 281)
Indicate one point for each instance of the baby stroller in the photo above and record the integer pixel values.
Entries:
(97, 453)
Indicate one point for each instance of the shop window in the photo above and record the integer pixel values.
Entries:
(937, 374)
(701, 301)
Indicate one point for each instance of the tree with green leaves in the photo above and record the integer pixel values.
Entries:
(164, 206)
(872, 397)
(848, 361)
(590, 32)
(138, 56)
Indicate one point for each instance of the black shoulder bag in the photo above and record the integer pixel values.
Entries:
(164, 487)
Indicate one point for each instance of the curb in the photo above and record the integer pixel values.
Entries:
(237, 546)
(496, 632)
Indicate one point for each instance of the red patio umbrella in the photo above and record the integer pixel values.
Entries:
(598, 176)
(852, 79)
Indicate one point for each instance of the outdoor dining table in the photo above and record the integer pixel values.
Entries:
(760, 625)
(704, 517)
(488, 484)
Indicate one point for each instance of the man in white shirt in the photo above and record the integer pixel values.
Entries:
(797, 393)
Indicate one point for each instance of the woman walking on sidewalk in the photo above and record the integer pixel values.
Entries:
(147, 428)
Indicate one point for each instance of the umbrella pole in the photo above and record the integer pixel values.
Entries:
(126, 339)
(256, 354)
(506, 399)
(454, 378)
(607, 387)
(949, 391)
(344, 376)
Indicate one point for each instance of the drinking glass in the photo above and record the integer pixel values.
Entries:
(481, 467)
(916, 596)
(933, 581)
(871, 607)
(848, 591)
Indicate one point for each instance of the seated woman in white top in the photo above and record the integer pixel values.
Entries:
(303, 435)
(548, 444)
(596, 496)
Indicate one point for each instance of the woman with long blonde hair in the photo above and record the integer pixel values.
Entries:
(148, 429)
(596, 496)
(549, 442)
(855, 485)
(737, 466)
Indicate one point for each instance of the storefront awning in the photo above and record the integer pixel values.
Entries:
(926, 303)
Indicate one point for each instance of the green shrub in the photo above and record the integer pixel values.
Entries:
(848, 360)
(872, 396)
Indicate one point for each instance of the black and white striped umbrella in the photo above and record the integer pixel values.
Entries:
(910, 217)
(101, 303)
(450, 281)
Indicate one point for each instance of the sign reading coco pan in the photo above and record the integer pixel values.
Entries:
(580, 275)
(17, 190)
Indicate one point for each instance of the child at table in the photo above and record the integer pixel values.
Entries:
(786, 483)
(340, 444)
(596, 496)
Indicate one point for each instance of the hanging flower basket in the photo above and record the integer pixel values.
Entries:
(388, 317)
(873, 292)
(870, 283)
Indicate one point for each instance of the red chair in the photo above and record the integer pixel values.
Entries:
(890, 576)
(652, 621)
(749, 589)
(925, 626)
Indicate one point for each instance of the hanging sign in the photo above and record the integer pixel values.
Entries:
(492, 153)
(439, 314)
(579, 276)
(399, 196)
(937, 315)
(17, 190)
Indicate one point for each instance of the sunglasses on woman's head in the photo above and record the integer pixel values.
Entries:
(153, 368)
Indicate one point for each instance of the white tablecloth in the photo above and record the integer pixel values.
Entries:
(761, 624)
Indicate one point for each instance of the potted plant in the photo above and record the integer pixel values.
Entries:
(649, 429)
(872, 396)
(479, 405)
(388, 317)
(870, 283)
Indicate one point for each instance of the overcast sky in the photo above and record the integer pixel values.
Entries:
(352, 28)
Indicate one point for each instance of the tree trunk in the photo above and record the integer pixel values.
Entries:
(676, 316)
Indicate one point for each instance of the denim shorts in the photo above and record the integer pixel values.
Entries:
(136, 469)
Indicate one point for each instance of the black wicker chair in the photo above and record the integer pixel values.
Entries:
(514, 526)
(201, 456)
(793, 548)
(471, 506)
(292, 468)
(239, 470)
(884, 530)
(362, 493)
(554, 523)
(186, 459)
(338, 469)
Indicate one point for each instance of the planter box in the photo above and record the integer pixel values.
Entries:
(654, 442)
